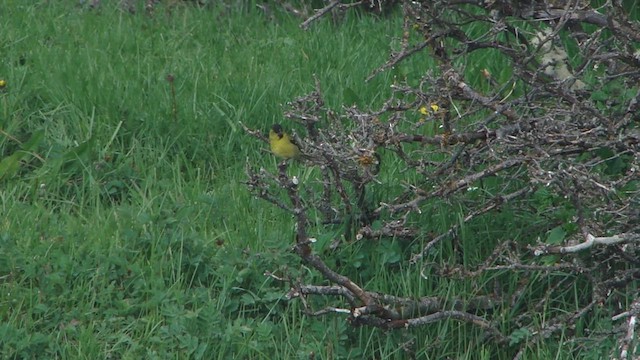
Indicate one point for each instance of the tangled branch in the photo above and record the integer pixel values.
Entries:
(547, 131)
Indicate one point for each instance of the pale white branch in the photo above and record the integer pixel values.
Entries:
(589, 242)
(625, 343)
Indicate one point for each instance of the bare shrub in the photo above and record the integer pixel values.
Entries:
(546, 132)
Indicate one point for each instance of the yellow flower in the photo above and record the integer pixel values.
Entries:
(435, 107)
(3, 83)
(423, 110)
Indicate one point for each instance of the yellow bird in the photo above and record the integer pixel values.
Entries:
(281, 143)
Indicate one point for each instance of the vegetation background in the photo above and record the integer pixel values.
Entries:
(127, 230)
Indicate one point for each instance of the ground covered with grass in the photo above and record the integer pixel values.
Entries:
(127, 229)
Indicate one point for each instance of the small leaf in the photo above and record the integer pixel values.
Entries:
(10, 165)
(518, 336)
(376, 225)
(556, 235)
(247, 299)
(350, 97)
(33, 141)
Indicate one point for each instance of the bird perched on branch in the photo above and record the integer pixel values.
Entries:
(282, 144)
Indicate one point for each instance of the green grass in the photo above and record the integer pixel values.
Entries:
(127, 231)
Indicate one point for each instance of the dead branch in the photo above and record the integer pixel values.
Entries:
(541, 140)
(628, 340)
(589, 242)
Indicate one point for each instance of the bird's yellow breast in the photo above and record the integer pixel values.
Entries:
(282, 146)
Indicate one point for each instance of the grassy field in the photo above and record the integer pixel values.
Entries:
(127, 231)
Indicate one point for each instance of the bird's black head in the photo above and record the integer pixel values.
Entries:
(277, 129)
